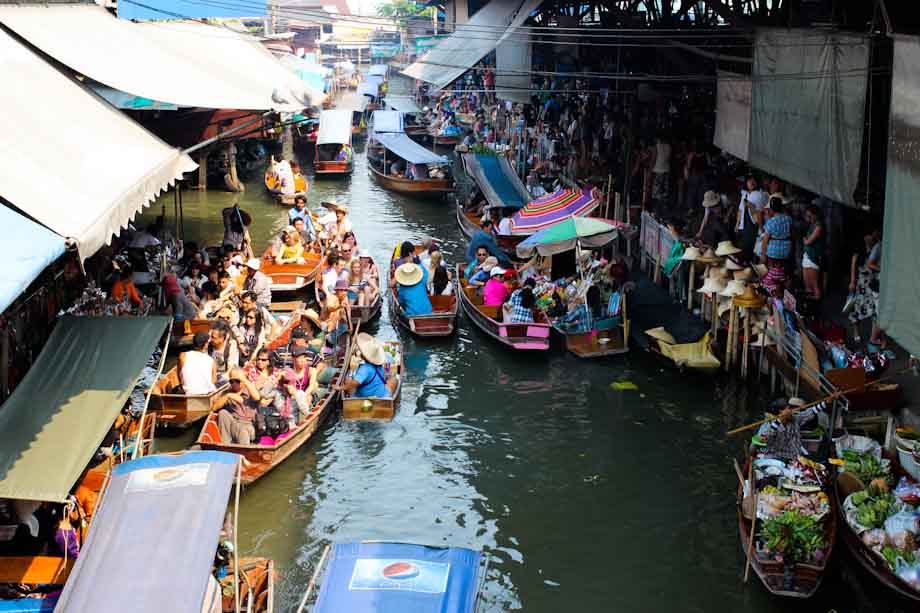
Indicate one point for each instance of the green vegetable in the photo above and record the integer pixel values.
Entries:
(793, 535)
(873, 506)
(860, 497)
(865, 466)
(892, 554)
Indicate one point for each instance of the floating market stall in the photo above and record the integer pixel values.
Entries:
(334, 153)
(153, 544)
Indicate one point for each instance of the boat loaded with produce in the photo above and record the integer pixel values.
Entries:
(879, 505)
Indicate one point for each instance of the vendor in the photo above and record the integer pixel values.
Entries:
(369, 380)
(783, 435)
(124, 290)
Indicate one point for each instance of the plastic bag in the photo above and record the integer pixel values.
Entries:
(908, 492)
(903, 521)
(875, 538)
(909, 573)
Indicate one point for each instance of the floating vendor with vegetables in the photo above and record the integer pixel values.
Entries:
(783, 435)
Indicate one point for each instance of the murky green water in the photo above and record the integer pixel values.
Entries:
(589, 499)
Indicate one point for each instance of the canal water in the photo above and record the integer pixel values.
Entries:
(587, 498)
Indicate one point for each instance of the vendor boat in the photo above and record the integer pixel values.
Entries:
(146, 508)
(287, 278)
(263, 457)
(334, 154)
(177, 410)
(273, 186)
(441, 322)
(529, 336)
(800, 579)
(379, 408)
(610, 336)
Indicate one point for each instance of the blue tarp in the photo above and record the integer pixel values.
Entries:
(495, 177)
(396, 577)
(28, 605)
(408, 149)
(27, 248)
(387, 121)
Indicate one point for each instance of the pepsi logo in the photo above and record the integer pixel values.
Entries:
(400, 571)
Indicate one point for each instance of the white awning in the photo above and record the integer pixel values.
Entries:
(472, 41)
(180, 62)
(387, 121)
(84, 178)
(403, 104)
(408, 149)
(334, 127)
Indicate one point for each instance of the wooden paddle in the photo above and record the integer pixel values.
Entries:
(836, 394)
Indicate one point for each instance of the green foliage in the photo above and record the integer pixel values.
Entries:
(794, 536)
(482, 150)
(400, 10)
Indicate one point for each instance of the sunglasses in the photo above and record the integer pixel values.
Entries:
(262, 360)
(235, 381)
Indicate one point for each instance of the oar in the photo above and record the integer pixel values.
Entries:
(750, 547)
(836, 394)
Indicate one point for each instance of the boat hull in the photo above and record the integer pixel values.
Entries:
(376, 408)
(332, 169)
(442, 322)
(179, 410)
(423, 187)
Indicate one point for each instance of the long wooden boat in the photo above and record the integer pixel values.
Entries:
(378, 408)
(801, 581)
(445, 141)
(441, 322)
(287, 278)
(602, 341)
(183, 332)
(179, 410)
(272, 186)
(469, 224)
(260, 459)
(368, 312)
(530, 336)
(257, 587)
(874, 564)
(335, 131)
(418, 187)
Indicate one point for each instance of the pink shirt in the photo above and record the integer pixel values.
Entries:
(494, 292)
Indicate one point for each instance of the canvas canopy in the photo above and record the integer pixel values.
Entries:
(27, 248)
(403, 104)
(409, 150)
(565, 235)
(497, 180)
(84, 179)
(334, 127)
(387, 121)
(397, 577)
(492, 25)
(733, 114)
(154, 534)
(188, 63)
(55, 420)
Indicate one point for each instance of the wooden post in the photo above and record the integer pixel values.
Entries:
(690, 286)
(202, 171)
(609, 191)
(729, 344)
(747, 343)
(231, 163)
(714, 331)
(287, 142)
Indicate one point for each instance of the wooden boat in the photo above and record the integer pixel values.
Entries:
(273, 186)
(335, 132)
(441, 322)
(469, 225)
(286, 307)
(421, 187)
(184, 331)
(257, 586)
(288, 278)
(603, 341)
(529, 336)
(445, 141)
(696, 356)
(378, 408)
(874, 564)
(368, 312)
(179, 410)
(416, 131)
(803, 580)
(260, 459)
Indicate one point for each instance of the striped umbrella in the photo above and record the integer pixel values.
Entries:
(547, 210)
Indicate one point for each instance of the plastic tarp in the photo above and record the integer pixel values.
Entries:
(900, 284)
(55, 420)
(497, 180)
(408, 149)
(27, 249)
(378, 70)
(85, 179)
(733, 114)
(334, 127)
(396, 577)
(181, 62)
(471, 41)
(553, 208)
(403, 104)
(152, 541)
(368, 89)
(387, 121)
(29, 605)
(808, 108)
(512, 68)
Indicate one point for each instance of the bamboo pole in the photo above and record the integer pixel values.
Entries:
(747, 343)
(729, 345)
(750, 547)
(319, 566)
(714, 302)
(690, 286)
(236, 549)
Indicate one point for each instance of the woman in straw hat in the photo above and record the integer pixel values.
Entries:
(411, 289)
(712, 229)
(369, 380)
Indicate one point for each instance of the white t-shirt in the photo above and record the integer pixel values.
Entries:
(329, 279)
(196, 373)
(504, 226)
(662, 159)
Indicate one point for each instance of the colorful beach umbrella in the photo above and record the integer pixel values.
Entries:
(586, 232)
(552, 208)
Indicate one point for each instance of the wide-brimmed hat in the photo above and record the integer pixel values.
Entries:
(312, 316)
(726, 248)
(371, 348)
(709, 257)
(711, 199)
(733, 288)
(497, 271)
(749, 299)
(795, 402)
(289, 230)
(691, 254)
(719, 273)
(662, 335)
(489, 263)
(732, 265)
(254, 263)
(745, 274)
(408, 274)
(712, 285)
(335, 206)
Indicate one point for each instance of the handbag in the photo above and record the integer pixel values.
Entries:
(850, 303)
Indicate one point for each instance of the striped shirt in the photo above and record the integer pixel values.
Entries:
(784, 441)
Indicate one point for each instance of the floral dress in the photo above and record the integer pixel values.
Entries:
(866, 298)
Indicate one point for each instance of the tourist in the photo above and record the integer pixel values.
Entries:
(248, 303)
(495, 292)
(865, 267)
(258, 283)
(357, 286)
(519, 308)
(369, 379)
(292, 248)
(304, 231)
(481, 272)
(776, 245)
(299, 210)
(440, 282)
(336, 231)
(406, 255)
(192, 281)
(223, 349)
(333, 273)
(813, 253)
(237, 409)
(260, 370)
(197, 369)
(411, 290)
(250, 334)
